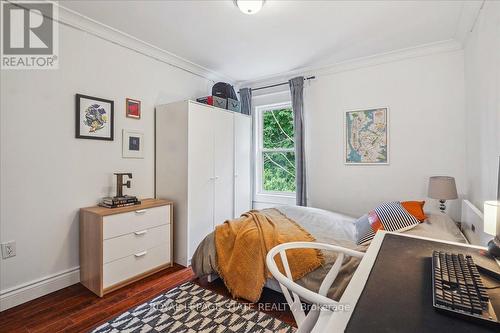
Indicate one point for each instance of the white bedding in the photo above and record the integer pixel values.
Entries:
(331, 228)
(339, 229)
(437, 225)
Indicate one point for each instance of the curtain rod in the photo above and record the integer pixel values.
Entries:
(281, 84)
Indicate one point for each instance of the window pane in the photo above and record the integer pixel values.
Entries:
(279, 172)
(278, 128)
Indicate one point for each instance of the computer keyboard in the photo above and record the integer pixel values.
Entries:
(458, 289)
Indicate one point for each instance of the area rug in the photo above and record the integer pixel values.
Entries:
(190, 308)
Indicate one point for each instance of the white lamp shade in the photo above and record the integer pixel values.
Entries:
(442, 188)
(250, 7)
(492, 217)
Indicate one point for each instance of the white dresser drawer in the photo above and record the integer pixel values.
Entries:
(136, 264)
(125, 223)
(135, 242)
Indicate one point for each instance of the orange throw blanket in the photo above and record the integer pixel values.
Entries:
(242, 246)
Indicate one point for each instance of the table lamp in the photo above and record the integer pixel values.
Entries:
(442, 188)
(492, 226)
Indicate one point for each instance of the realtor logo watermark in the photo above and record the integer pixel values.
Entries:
(30, 35)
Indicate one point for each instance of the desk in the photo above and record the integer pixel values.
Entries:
(391, 291)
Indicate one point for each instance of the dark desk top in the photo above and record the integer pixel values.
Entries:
(397, 296)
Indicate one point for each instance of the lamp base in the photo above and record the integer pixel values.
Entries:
(494, 247)
(442, 206)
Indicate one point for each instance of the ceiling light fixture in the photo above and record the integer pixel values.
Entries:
(250, 7)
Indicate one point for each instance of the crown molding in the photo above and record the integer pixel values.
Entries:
(86, 24)
(71, 18)
(377, 59)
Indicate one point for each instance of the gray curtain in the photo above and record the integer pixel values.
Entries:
(297, 92)
(246, 100)
(246, 108)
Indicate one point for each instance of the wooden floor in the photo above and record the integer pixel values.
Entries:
(76, 309)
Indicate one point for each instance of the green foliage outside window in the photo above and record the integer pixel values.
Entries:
(278, 151)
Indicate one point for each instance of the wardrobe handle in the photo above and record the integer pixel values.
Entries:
(140, 211)
(140, 254)
(139, 233)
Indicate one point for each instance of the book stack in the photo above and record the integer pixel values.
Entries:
(116, 202)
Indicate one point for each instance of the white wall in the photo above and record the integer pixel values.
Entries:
(47, 174)
(425, 95)
(426, 124)
(482, 80)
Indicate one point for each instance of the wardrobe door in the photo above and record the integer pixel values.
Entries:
(223, 161)
(242, 159)
(200, 174)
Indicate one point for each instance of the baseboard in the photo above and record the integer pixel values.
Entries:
(34, 289)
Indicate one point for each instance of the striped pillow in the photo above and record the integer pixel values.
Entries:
(389, 216)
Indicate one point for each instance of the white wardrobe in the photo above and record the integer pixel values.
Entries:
(202, 164)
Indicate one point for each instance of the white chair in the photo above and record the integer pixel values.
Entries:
(317, 300)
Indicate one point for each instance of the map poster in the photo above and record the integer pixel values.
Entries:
(366, 136)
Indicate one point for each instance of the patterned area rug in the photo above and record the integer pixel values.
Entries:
(189, 308)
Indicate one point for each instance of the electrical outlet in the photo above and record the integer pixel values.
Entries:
(8, 249)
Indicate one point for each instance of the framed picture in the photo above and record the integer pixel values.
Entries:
(133, 144)
(133, 108)
(366, 136)
(94, 118)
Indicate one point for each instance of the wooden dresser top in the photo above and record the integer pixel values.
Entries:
(145, 203)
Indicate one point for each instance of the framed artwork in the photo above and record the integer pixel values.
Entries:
(94, 118)
(133, 108)
(133, 144)
(366, 136)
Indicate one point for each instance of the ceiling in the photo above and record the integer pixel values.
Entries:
(285, 36)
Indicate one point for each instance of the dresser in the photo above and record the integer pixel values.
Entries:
(122, 245)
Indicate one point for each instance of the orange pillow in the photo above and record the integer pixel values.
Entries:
(415, 208)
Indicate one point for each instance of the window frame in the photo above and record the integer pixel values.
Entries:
(260, 193)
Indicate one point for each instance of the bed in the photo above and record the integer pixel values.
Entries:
(331, 228)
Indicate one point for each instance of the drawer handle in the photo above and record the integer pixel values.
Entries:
(140, 254)
(140, 211)
(139, 233)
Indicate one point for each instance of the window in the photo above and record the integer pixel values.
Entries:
(276, 150)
